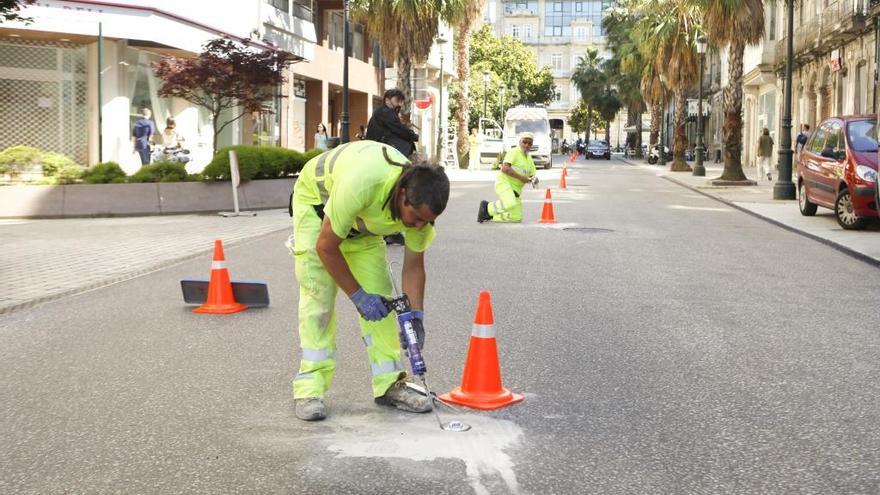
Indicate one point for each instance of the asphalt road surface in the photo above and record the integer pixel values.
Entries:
(670, 345)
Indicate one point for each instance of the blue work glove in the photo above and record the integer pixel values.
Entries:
(370, 306)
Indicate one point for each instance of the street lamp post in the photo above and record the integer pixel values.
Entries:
(345, 45)
(485, 92)
(501, 91)
(699, 169)
(440, 42)
(784, 187)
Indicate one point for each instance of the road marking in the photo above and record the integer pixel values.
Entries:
(418, 438)
(699, 208)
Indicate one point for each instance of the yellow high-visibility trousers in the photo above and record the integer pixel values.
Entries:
(317, 316)
(508, 207)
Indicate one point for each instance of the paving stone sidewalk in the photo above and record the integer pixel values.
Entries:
(758, 200)
(43, 260)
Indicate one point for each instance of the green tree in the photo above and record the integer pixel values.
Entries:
(608, 104)
(655, 95)
(466, 15)
(666, 32)
(508, 62)
(590, 81)
(580, 119)
(736, 23)
(406, 30)
(625, 68)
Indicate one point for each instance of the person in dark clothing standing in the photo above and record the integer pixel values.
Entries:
(385, 125)
(142, 135)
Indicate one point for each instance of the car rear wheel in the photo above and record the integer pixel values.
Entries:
(807, 208)
(846, 215)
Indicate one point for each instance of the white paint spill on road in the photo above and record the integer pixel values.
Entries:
(419, 438)
(698, 208)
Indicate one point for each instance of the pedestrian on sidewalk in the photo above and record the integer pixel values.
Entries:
(474, 141)
(517, 170)
(802, 138)
(344, 201)
(765, 153)
(321, 137)
(143, 135)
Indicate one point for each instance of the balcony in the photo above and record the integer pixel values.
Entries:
(841, 22)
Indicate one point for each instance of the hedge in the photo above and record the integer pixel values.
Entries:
(104, 173)
(161, 171)
(258, 162)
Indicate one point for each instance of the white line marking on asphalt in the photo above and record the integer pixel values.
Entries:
(699, 208)
(418, 438)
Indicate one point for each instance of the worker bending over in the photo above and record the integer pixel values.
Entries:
(344, 201)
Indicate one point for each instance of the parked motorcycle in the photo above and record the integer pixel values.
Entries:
(654, 156)
(176, 154)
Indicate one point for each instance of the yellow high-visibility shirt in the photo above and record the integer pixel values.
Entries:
(521, 163)
(353, 182)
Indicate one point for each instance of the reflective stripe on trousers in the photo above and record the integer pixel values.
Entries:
(317, 316)
(508, 207)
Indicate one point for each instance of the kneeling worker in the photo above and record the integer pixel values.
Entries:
(344, 201)
(517, 169)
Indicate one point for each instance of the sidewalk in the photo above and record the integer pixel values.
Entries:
(758, 201)
(43, 260)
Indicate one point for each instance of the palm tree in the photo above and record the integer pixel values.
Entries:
(406, 30)
(590, 81)
(655, 95)
(737, 23)
(463, 16)
(667, 33)
(625, 67)
(608, 104)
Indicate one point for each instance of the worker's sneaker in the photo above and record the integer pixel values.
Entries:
(483, 213)
(310, 409)
(401, 396)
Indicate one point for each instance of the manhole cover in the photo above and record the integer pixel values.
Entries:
(587, 230)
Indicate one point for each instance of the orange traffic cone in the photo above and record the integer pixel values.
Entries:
(547, 215)
(481, 382)
(220, 299)
(562, 178)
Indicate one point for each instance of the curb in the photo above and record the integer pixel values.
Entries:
(6, 310)
(828, 242)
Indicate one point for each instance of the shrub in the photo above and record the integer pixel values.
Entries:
(258, 162)
(161, 171)
(68, 173)
(104, 173)
(17, 159)
(53, 162)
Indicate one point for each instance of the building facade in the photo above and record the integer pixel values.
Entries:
(833, 68)
(50, 79)
(558, 32)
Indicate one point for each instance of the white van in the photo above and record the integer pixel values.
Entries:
(534, 119)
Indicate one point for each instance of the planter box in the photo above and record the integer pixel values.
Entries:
(102, 200)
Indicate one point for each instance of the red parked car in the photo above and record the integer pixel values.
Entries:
(837, 169)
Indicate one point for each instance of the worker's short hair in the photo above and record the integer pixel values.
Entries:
(391, 93)
(426, 184)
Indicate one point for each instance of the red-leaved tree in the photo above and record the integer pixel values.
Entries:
(226, 75)
(9, 10)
